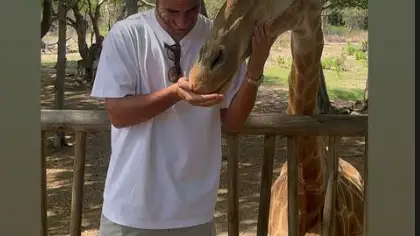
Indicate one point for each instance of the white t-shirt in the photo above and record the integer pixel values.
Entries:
(163, 173)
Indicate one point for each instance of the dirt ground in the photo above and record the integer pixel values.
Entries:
(59, 163)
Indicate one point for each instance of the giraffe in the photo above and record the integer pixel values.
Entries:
(219, 59)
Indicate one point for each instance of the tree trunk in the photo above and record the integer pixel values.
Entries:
(95, 24)
(81, 26)
(95, 15)
(324, 104)
(365, 95)
(47, 13)
(131, 6)
(59, 140)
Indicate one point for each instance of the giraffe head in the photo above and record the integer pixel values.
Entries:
(229, 43)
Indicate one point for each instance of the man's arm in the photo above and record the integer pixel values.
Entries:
(234, 117)
(241, 105)
(132, 110)
(117, 79)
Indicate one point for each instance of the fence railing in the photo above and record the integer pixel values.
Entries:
(82, 122)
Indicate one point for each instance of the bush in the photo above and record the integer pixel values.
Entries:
(350, 49)
(360, 55)
(334, 63)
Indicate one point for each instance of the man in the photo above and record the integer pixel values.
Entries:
(164, 169)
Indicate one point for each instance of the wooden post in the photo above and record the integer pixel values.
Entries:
(94, 121)
(266, 182)
(78, 184)
(329, 218)
(292, 185)
(44, 225)
(366, 189)
(233, 201)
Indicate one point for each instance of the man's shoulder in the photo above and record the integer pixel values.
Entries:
(135, 22)
(138, 18)
(206, 21)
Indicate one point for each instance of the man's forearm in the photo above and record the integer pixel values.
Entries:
(240, 108)
(132, 110)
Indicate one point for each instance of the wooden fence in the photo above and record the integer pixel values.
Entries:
(82, 122)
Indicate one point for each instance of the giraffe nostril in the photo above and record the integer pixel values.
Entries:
(218, 59)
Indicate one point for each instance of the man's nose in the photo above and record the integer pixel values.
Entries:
(182, 22)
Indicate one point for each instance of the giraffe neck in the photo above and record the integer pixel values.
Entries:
(306, 47)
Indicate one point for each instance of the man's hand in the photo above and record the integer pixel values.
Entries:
(261, 45)
(183, 91)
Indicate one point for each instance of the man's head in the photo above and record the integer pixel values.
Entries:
(178, 17)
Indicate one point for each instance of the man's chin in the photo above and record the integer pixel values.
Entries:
(182, 31)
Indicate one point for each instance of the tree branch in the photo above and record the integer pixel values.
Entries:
(148, 4)
(101, 2)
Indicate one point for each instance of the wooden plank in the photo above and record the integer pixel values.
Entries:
(233, 201)
(44, 195)
(366, 188)
(93, 121)
(292, 186)
(329, 216)
(78, 184)
(266, 182)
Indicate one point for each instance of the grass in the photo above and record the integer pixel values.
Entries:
(339, 86)
(344, 65)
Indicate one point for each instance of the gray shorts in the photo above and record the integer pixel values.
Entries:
(109, 228)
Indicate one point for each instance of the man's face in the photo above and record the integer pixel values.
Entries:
(179, 16)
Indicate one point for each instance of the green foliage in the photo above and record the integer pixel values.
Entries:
(335, 30)
(364, 46)
(360, 53)
(337, 5)
(343, 86)
(334, 63)
(354, 18)
(350, 49)
(213, 6)
(103, 31)
(283, 62)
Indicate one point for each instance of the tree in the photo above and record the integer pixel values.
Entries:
(47, 14)
(94, 12)
(354, 18)
(131, 6)
(324, 104)
(338, 5)
(81, 25)
(59, 139)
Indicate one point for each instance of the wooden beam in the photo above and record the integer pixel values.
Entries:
(93, 121)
